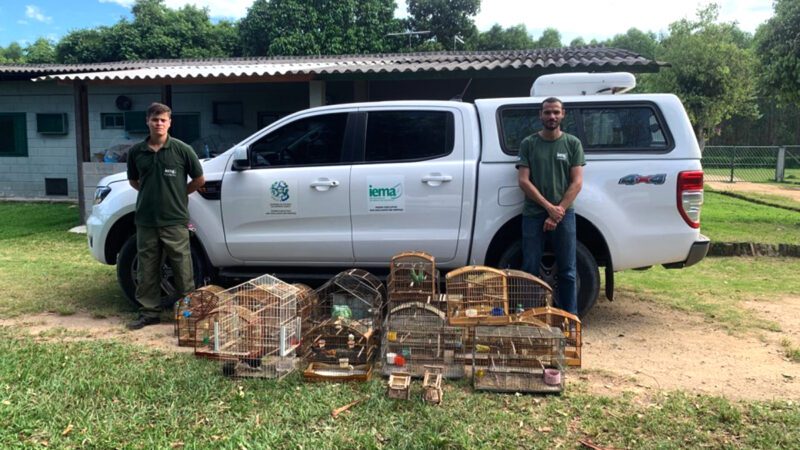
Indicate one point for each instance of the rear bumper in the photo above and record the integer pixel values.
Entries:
(697, 252)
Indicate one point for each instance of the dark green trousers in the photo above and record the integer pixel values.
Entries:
(156, 246)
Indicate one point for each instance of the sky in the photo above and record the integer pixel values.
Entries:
(24, 21)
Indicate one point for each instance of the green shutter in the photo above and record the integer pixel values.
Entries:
(51, 123)
(13, 134)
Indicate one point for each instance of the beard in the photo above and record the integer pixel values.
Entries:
(551, 124)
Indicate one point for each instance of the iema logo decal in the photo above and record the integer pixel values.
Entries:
(279, 191)
(384, 194)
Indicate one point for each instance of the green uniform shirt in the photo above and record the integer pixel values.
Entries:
(162, 199)
(550, 163)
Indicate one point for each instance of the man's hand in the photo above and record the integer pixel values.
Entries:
(550, 224)
(556, 212)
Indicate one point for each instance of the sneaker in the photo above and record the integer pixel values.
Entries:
(142, 322)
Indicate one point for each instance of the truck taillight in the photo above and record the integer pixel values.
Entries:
(690, 196)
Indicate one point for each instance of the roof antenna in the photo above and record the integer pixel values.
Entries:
(460, 97)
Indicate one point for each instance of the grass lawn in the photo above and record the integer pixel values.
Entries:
(756, 174)
(728, 219)
(62, 392)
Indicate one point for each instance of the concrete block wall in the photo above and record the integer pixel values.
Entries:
(49, 156)
(93, 172)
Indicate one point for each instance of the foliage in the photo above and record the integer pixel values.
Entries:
(635, 40)
(498, 38)
(551, 38)
(42, 52)
(296, 27)
(445, 19)
(12, 54)
(728, 219)
(712, 71)
(778, 43)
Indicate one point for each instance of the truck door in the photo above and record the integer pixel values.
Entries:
(407, 187)
(293, 205)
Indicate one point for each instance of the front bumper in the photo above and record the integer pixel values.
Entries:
(697, 252)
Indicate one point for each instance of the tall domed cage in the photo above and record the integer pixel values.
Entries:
(413, 277)
(193, 308)
(477, 295)
(354, 294)
(520, 357)
(307, 300)
(526, 291)
(339, 349)
(255, 330)
(569, 324)
(416, 335)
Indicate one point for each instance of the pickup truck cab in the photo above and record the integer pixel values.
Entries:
(351, 185)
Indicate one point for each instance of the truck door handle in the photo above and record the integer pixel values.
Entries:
(323, 184)
(436, 179)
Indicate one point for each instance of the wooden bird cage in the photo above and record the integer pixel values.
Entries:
(339, 350)
(416, 335)
(399, 386)
(192, 308)
(477, 295)
(255, 330)
(432, 391)
(307, 300)
(526, 291)
(518, 358)
(354, 294)
(569, 324)
(413, 278)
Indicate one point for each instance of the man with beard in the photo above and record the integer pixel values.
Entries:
(550, 173)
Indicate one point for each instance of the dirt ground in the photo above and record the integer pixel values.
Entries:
(629, 345)
(790, 191)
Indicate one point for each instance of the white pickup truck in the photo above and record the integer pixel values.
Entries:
(351, 185)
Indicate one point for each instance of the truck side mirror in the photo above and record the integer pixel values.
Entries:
(241, 159)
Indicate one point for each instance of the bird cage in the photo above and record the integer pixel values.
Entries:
(399, 386)
(255, 329)
(192, 308)
(339, 350)
(477, 295)
(307, 300)
(354, 294)
(567, 323)
(526, 291)
(413, 278)
(432, 391)
(518, 358)
(417, 334)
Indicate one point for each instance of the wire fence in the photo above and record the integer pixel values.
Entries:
(760, 164)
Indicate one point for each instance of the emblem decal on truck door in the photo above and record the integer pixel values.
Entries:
(632, 179)
(385, 194)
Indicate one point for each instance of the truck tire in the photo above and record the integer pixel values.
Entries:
(587, 279)
(127, 262)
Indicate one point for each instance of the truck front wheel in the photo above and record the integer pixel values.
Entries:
(587, 279)
(128, 264)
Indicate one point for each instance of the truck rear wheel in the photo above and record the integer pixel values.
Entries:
(587, 279)
(127, 266)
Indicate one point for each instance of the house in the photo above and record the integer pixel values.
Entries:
(60, 124)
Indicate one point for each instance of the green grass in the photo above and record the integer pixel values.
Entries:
(46, 268)
(757, 175)
(716, 287)
(792, 352)
(727, 219)
(764, 199)
(113, 395)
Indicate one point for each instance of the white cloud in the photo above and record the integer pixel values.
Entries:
(123, 3)
(231, 9)
(36, 13)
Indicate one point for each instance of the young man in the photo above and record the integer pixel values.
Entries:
(551, 175)
(158, 168)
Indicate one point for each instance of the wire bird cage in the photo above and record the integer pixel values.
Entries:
(416, 335)
(255, 329)
(518, 358)
(191, 309)
(339, 349)
(307, 300)
(569, 324)
(354, 294)
(432, 391)
(413, 278)
(526, 291)
(477, 295)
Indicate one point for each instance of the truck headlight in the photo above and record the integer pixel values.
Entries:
(100, 194)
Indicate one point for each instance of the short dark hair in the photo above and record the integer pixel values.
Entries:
(156, 108)
(553, 100)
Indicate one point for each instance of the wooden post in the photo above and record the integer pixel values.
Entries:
(780, 165)
(80, 96)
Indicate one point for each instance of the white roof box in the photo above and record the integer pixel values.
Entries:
(583, 83)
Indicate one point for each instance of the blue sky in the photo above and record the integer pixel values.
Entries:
(26, 20)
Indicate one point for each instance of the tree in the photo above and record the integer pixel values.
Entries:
(778, 44)
(577, 42)
(13, 53)
(635, 40)
(497, 38)
(551, 38)
(42, 52)
(445, 19)
(710, 71)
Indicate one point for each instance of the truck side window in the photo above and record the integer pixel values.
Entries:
(517, 123)
(622, 128)
(310, 141)
(408, 135)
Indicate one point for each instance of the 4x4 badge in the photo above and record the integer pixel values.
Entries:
(647, 179)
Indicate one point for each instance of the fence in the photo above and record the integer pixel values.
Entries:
(752, 163)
